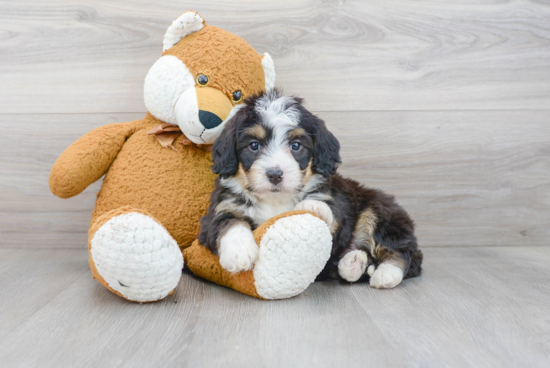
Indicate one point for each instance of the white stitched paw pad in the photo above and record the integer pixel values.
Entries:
(352, 266)
(137, 257)
(386, 276)
(293, 251)
(238, 249)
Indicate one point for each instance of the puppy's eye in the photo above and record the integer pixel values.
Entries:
(254, 146)
(202, 79)
(237, 96)
(295, 146)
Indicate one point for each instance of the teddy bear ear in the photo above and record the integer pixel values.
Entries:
(186, 24)
(269, 72)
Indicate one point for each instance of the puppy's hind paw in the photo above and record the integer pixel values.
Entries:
(238, 249)
(386, 276)
(352, 266)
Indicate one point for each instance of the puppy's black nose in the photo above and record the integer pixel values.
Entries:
(208, 119)
(275, 175)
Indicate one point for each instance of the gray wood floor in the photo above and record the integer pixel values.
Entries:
(482, 307)
(445, 104)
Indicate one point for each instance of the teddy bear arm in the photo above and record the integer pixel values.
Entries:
(87, 159)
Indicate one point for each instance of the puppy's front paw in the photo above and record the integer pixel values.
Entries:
(238, 249)
(386, 276)
(319, 208)
(352, 266)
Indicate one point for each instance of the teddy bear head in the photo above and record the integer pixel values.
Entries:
(203, 76)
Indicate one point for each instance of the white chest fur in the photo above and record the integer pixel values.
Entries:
(267, 208)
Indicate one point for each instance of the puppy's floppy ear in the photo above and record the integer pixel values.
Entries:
(224, 150)
(326, 148)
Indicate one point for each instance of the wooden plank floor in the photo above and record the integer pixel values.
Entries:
(474, 306)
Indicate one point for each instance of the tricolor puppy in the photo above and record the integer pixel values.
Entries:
(275, 156)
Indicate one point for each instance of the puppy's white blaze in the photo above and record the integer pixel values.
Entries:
(386, 276)
(270, 106)
(238, 250)
(280, 128)
(281, 120)
(279, 114)
(277, 154)
(282, 158)
(352, 266)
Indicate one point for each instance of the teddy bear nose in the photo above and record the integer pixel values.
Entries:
(275, 175)
(208, 119)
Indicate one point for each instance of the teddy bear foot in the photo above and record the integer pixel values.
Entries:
(293, 249)
(135, 257)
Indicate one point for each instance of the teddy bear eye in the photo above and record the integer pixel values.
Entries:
(202, 79)
(237, 96)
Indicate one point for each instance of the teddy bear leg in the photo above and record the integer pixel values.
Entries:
(293, 251)
(134, 256)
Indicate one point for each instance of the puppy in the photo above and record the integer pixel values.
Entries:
(275, 156)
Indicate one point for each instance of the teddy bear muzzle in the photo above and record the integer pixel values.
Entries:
(200, 113)
(214, 106)
(209, 120)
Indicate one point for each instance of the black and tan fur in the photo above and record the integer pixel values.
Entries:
(363, 219)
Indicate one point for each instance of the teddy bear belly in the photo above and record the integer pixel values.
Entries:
(172, 186)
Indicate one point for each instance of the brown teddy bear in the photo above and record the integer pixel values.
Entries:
(158, 179)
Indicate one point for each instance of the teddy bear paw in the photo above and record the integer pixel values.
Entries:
(137, 257)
